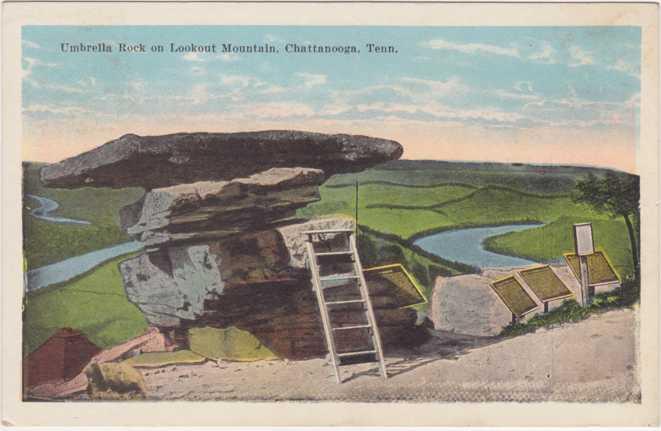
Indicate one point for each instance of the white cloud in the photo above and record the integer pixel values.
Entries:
(30, 44)
(31, 63)
(279, 110)
(512, 95)
(546, 54)
(523, 86)
(624, 67)
(311, 79)
(199, 94)
(271, 38)
(580, 57)
(452, 86)
(192, 56)
(471, 48)
(229, 57)
(90, 81)
(237, 80)
(57, 110)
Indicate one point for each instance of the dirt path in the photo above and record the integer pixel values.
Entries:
(593, 360)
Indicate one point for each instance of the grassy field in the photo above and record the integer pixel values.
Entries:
(527, 178)
(473, 196)
(94, 303)
(398, 203)
(542, 243)
(394, 209)
(47, 242)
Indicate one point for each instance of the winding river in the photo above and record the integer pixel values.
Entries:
(461, 245)
(467, 246)
(47, 206)
(74, 266)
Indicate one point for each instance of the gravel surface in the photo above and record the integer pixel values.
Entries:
(593, 360)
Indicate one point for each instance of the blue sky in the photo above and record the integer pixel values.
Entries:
(473, 84)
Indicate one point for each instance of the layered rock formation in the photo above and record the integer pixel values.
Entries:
(223, 245)
(159, 161)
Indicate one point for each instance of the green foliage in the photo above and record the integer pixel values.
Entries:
(528, 178)
(571, 311)
(94, 303)
(547, 243)
(402, 201)
(615, 193)
(402, 216)
(228, 343)
(47, 242)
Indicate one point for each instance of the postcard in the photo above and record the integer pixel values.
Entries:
(330, 214)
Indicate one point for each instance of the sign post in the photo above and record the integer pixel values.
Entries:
(584, 246)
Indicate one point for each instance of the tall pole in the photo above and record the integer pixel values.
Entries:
(585, 292)
(356, 211)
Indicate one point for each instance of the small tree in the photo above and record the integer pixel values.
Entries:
(618, 195)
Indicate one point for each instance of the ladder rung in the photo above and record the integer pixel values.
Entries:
(349, 301)
(334, 253)
(338, 277)
(364, 352)
(346, 328)
(315, 232)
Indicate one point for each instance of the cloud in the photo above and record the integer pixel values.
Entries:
(512, 95)
(452, 86)
(579, 57)
(55, 110)
(546, 54)
(471, 48)
(90, 81)
(311, 79)
(229, 57)
(237, 80)
(199, 94)
(192, 56)
(31, 63)
(627, 68)
(30, 44)
(279, 110)
(523, 86)
(271, 38)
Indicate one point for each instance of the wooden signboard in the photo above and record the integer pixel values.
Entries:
(583, 241)
(584, 246)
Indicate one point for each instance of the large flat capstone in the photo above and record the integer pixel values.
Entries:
(160, 161)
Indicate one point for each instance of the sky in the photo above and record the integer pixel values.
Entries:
(564, 95)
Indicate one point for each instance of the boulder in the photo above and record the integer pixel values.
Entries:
(216, 209)
(466, 304)
(181, 158)
(174, 282)
(253, 283)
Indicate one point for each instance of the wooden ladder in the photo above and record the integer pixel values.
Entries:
(316, 261)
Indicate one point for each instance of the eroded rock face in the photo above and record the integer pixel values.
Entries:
(160, 161)
(173, 283)
(216, 209)
(223, 245)
(251, 282)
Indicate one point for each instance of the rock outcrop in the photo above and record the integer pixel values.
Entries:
(216, 209)
(223, 245)
(160, 161)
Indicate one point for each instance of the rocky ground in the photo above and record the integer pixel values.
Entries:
(593, 360)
